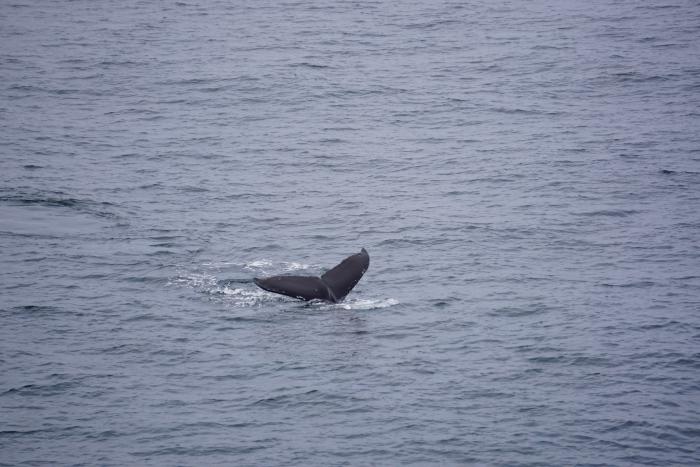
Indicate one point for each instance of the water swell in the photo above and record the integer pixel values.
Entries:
(59, 199)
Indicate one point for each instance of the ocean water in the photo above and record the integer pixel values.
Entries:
(524, 175)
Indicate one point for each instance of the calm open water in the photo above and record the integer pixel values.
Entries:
(524, 175)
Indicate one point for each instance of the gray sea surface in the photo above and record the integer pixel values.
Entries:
(524, 175)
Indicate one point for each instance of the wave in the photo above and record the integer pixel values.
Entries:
(60, 200)
(609, 213)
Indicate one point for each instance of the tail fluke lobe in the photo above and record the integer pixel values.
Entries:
(302, 287)
(345, 276)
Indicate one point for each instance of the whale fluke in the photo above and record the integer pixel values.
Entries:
(332, 286)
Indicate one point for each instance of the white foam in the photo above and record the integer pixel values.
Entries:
(244, 297)
(366, 304)
(220, 263)
(195, 280)
(257, 264)
(295, 266)
(265, 266)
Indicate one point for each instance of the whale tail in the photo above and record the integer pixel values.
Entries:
(345, 276)
(332, 286)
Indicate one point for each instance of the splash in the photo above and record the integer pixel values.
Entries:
(194, 280)
(365, 304)
(258, 264)
(265, 266)
(242, 293)
(244, 297)
(208, 284)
